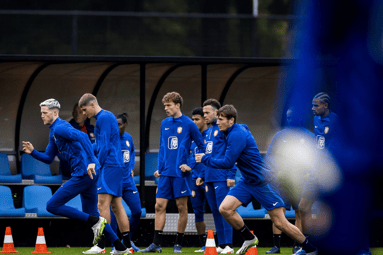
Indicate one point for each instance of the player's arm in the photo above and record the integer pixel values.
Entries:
(72, 134)
(132, 157)
(161, 154)
(235, 145)
(103, 142)
(47, 156)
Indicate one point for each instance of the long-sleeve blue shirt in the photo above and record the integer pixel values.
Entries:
(196, 167)
(176, 137)
(216, 146)
(241, 148)
(128, 153)
(107, 144)
(73, 145)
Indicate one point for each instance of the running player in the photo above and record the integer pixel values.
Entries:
(198, 196)
(241, 148)
(112, 165)
(129, 190)
(217, 180)
(177, 132)
(75, 147)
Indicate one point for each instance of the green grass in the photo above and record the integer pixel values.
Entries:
(166, 250)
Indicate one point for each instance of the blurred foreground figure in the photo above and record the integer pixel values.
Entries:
(339, 46)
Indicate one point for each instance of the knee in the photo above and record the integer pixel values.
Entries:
(52, 207)
(159, 207)
(182, 208)
(224, 211)
(199, 217)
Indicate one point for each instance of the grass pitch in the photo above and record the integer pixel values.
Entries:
(165, 250)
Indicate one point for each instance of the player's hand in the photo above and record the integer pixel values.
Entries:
(157, 174)
(199, 181)
(185, 168)
(132, 173)
(28, 147)
(91, 170)
(198, 157)
(230, 182)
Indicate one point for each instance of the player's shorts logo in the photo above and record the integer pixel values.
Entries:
(179, 130)
(320, 142)
(126, 156)
(209, 147)
(91, 135)
(206, 188)
(216, 133)
(326, 129)
(172, 143)
(193, 193)
(127, 143)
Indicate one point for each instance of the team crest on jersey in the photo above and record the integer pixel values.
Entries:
(193, 193)
(206, 189)
(172, 143)
(209, 147)
(326, 129)
(216, 133)
(91, 135)
(127, 143)
(126, 156)
(320, 142)
(179, 130)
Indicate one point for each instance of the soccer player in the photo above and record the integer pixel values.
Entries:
(76, 149)
(109, 154)
(292, 135)
(177, 132)
(198, 196)
(217, 180)
(81, 122)
(241, 148)
(129, 190)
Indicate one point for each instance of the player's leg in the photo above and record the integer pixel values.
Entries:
(218, 219)
(221, 189)
(122, 219)
(277, 236)
(132, 199)
(198, 200)
(228, 210)
(164, 193)
(181, 192)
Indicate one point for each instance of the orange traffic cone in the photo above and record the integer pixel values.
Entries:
(8, 246)
(41, 246)
(252, 250)
(210, 248)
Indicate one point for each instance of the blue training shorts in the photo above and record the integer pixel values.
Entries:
(110, 181)
(198, 199)
(287, 199)
(172, 187)
(267, 197)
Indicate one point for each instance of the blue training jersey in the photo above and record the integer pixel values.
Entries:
(196, 167)
(176, 137)
(107, 144)
(128, 154)
(327, 132)
(241, 148)
(216, 146)
(73, 145)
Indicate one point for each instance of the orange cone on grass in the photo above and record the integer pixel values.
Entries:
(252, 250)
(8, 246)
(210, 248)
(41, 246)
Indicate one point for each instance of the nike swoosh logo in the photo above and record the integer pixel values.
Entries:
(216, 187)
(316, 126)
(134, 192)
(275, 204)
(98, 188)
(183, 191)
(166, 128)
